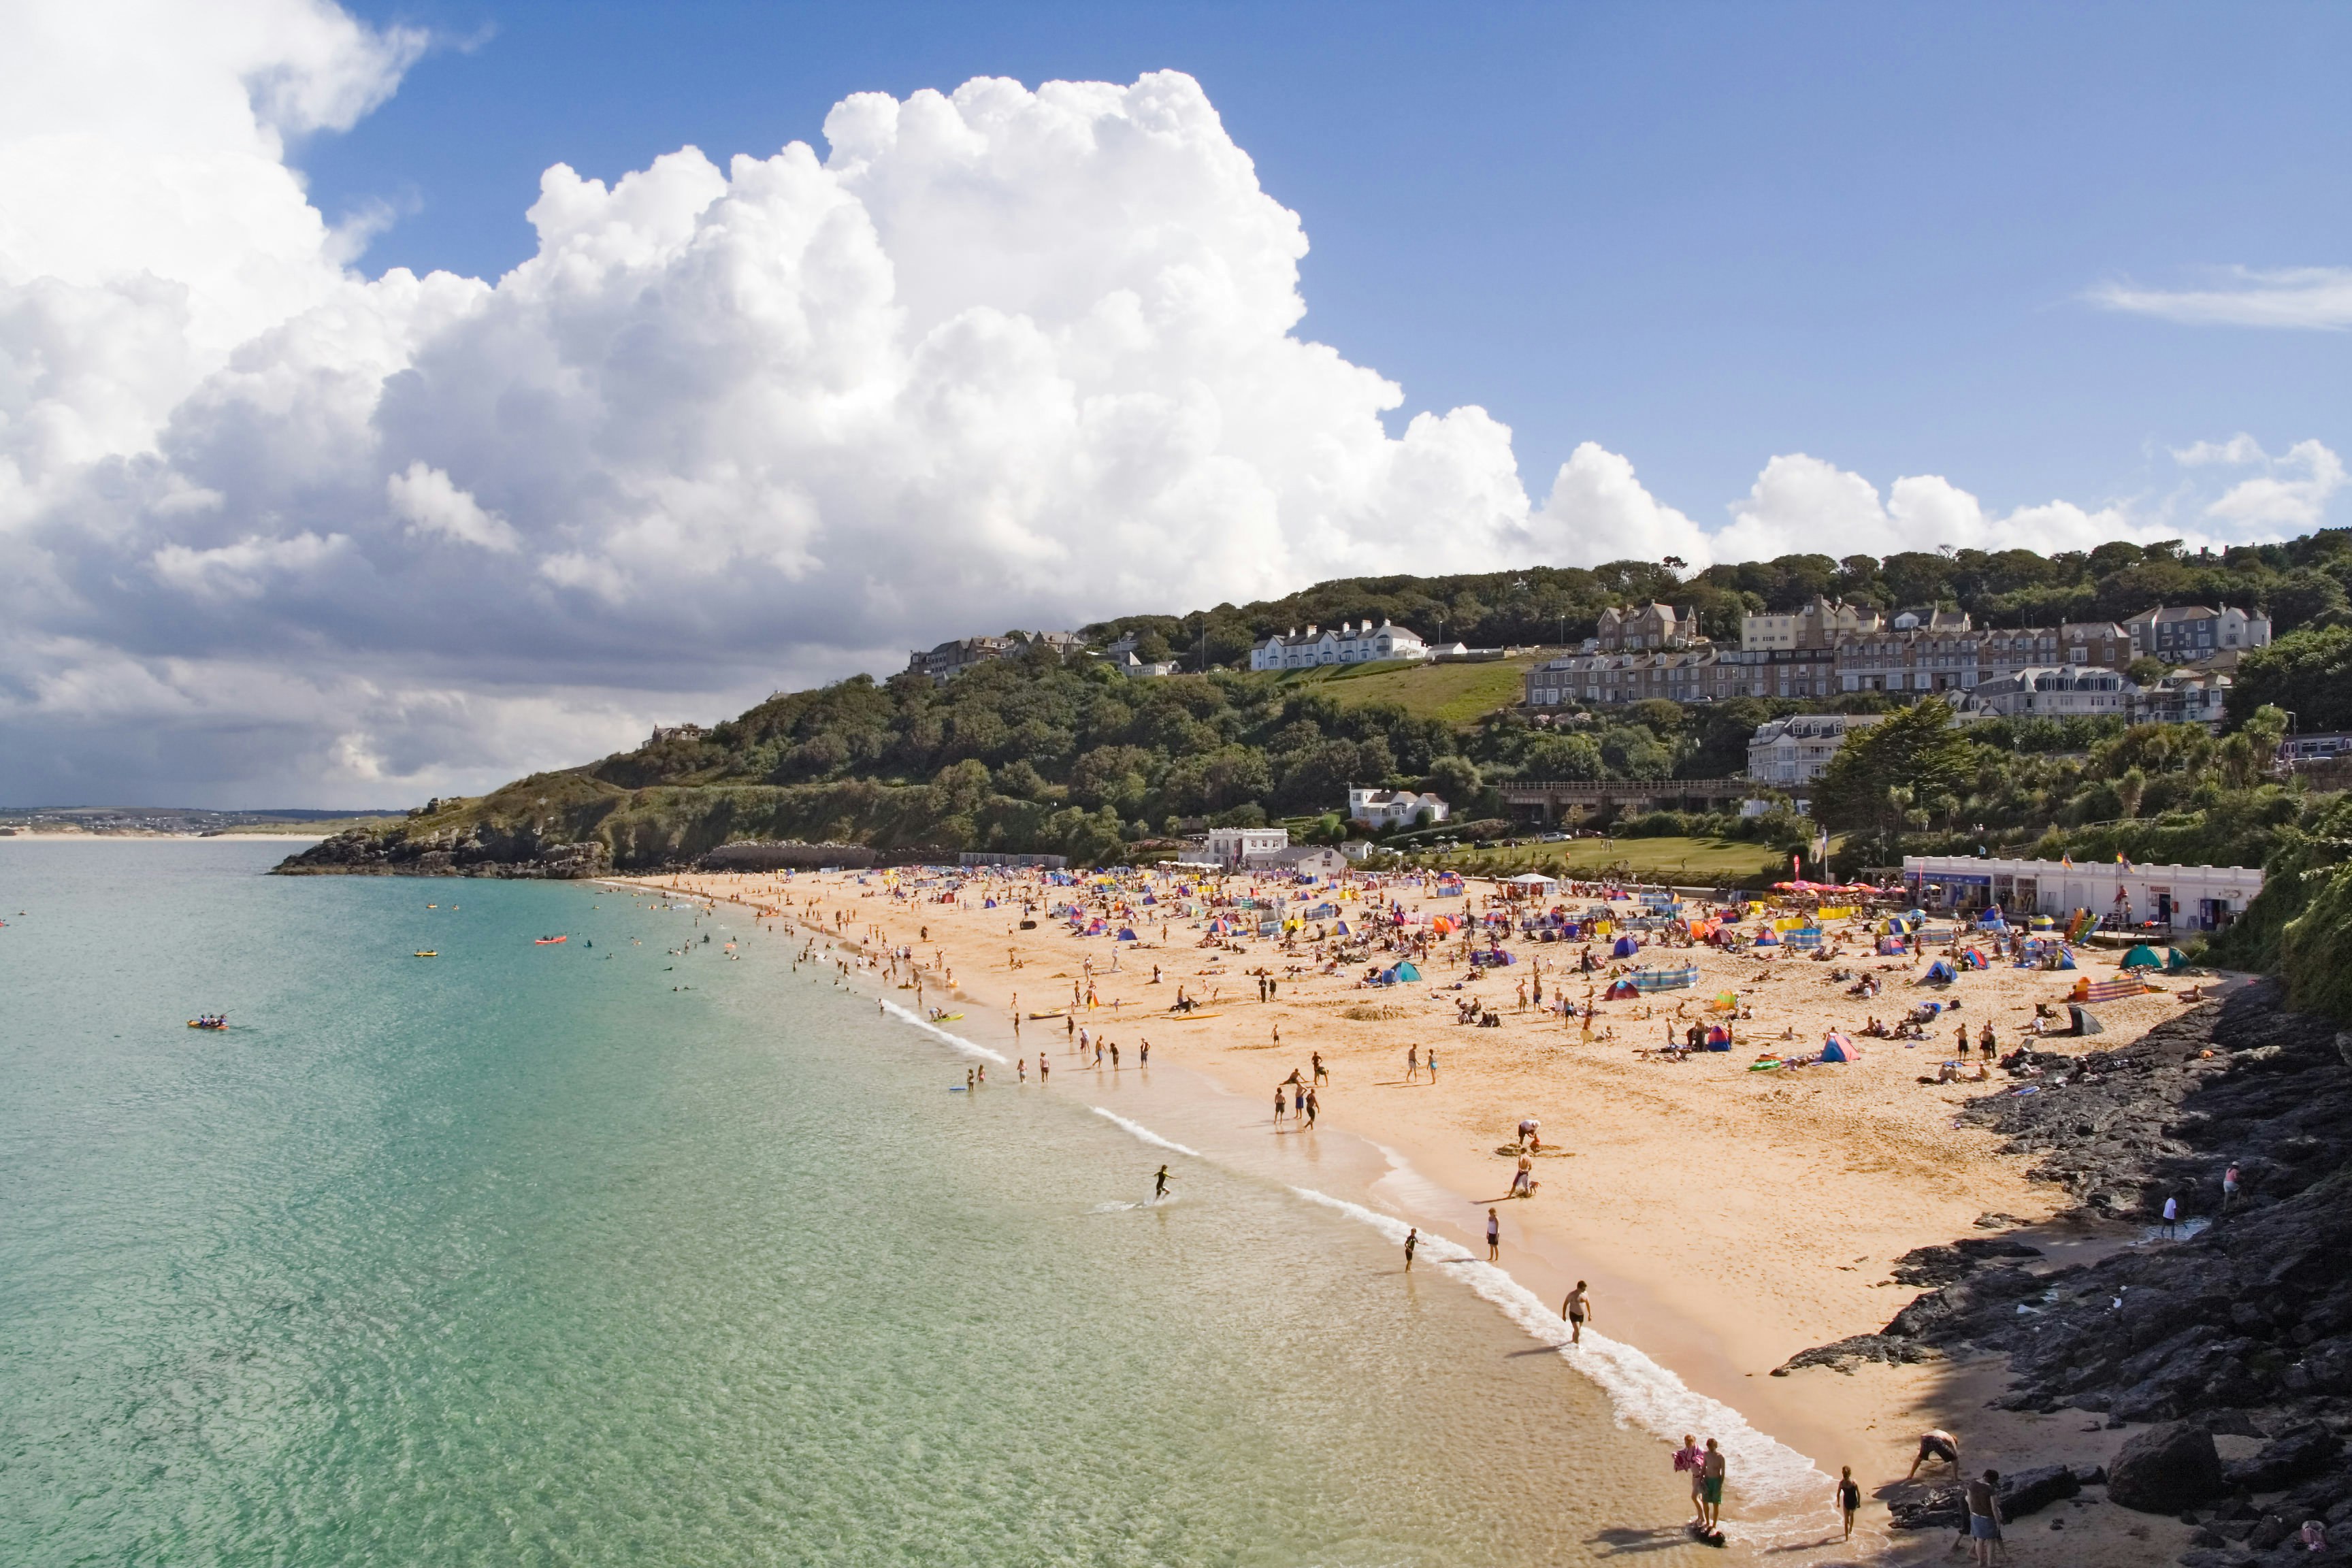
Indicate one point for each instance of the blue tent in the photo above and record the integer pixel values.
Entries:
(1768, 940)
(1400, 971)
(1626, 947)
(1126, 933)
(1838, 1048)
(1939, 973)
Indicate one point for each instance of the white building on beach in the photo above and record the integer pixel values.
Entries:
(2185, 897)
(1246, 846)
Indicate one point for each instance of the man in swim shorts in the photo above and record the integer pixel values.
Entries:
(1710, 1489)
(1935, 1444)
(1159, 1184)
(1411, 1240)
(1578, 1310)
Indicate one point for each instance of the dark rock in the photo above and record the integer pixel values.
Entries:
(1943, 1507)
(2165, 1467)
(2031, 1492)
(2091, 1475)
(2270, 1532)
(2293, 1455)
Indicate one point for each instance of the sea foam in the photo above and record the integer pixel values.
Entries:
(1146, 1133)
(1640, 1391)
(957, 1041)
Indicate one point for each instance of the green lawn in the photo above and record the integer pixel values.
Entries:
(1697, 861)
(1455, 693)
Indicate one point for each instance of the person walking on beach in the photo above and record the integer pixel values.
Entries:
(1493, 1238)
(1431, 1063)
(1849, 1498)
(1411, 1064)
(1322, 1076)
(1578, 1310)
(1411, 1240)
(1159, 1184)
(1310, 1106)
(1043, 1067)
(1710, 1489)
(1688, 1459)
(1281, 1104)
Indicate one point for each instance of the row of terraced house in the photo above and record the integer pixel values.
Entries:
(1829, 648)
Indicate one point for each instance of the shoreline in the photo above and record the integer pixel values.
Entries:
(1688, 1269)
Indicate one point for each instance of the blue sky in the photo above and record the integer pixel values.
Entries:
(1708, 282)
(1699, 235)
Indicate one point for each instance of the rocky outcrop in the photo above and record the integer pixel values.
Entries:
(470, 852)
(2244, 1327)
(2165, 1469)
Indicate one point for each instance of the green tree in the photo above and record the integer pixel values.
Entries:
(2308, 673)
(1915, 749)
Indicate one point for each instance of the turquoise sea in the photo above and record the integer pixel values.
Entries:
(520, 1255)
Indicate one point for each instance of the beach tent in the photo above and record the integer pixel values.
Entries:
(1838, 1048)
(2066, 958)
(1725, 1002)
(1626, 947)
(1341, 929)
(2179, 963)
(2085, 1021)
(1534, 879)
(1974, 958)
(1891, 947)
(1769, 938)
(1718, 1038)
(2142, 957)
(1126, 933)
(1622, 991)
(1403, 969)
(1939, 973)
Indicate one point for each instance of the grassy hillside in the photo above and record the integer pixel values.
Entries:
(1448, 693)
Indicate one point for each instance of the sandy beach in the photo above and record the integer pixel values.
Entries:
(1724, 1219)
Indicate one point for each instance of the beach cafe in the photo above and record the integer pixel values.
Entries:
(2121, 895)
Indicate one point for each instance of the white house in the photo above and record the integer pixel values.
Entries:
(1795, 750)
(2182, 697)
(2065, 691)
(1381, 809)
(2188, 898)
(1348, 644)
(1306, 860)
(1245, 845)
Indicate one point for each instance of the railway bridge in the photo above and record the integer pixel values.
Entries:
(1547, 801)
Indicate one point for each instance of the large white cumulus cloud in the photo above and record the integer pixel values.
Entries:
(998, 357)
